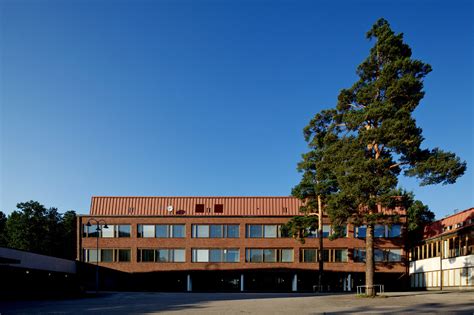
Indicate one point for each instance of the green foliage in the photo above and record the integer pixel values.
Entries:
(34, 228)
(359, 149)
(299, 227)
(371, 138)
(3, 221)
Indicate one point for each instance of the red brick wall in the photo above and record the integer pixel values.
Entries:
(242, 243)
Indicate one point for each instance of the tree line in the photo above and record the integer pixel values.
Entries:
(35, 228)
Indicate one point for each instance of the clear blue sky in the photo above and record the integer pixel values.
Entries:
(205, 97)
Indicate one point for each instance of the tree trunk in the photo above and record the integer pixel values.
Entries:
(320, 251)
(369, 260)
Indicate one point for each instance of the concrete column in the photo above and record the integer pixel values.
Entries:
(242, 282)
(189, 284)
(294, 285)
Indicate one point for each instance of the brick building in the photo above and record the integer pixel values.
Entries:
(229, 243)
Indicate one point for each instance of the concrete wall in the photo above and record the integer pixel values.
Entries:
(29, 260)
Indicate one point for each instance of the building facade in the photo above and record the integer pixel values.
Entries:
(444, 258)
(230, 243)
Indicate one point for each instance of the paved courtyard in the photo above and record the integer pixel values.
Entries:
(249, 303)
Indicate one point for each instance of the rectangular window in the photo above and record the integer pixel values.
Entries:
(232, 255)
(233, 231)
(254, 255)
(361, 231)
(200, 255)
(199, 208)
(107, 232)
(90, 255)
(202, 231)
(146, 230)
(123, 230)
(215, 231)
(179, 230)
(395, 255)
(340, 255)
(309, 255)
(218, 208)
(179, 255)
(162, 255)
(270, 231)
(269, 255)
(286, 255)
(326, 230)
(378, 255)
(161, 231)
(124, 255)
(395, 230)
(312, 233)
(107, 255)
(359, 255)
(215, 255)
(254, 231)
(379, 230)
(147, 255)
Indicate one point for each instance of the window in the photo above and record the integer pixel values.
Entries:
(200, 255)
(161, 231)
(394, 255)
(199, 208)
(107, 255)
(263, 231)
(270, 231)
(179, 255)
(178, 230)
(90, 231)
(359, 255)
(379, 230)
(269, 255)
(254, 231)
(309, 255)
(90, 255)
(124, 255)
(218, 208)
(326, 230)
(378, 255)
(286, 255)
(215, 231)
(146, 230)
(123, 230)
(200, 231)
(232, 231)
(394, 230)
(361, 231)
(147, 255)
(216, 255)
(232, 255)
(107, 232)
(161, 255)
(340, 255)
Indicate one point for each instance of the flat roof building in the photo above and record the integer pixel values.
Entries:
(230, 243)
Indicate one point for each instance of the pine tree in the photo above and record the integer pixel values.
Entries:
(371, 138)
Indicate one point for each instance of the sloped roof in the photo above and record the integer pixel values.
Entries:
(158, 206)
(437, 228)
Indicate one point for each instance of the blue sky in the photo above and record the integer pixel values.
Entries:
(205, 97)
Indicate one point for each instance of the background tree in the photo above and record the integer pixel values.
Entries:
(37, 229)
(316, 184)
(3, 221)
(377, 138)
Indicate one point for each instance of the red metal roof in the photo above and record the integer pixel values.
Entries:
(439, 227)
(158, 206)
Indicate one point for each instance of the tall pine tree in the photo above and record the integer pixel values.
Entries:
(371, 138)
